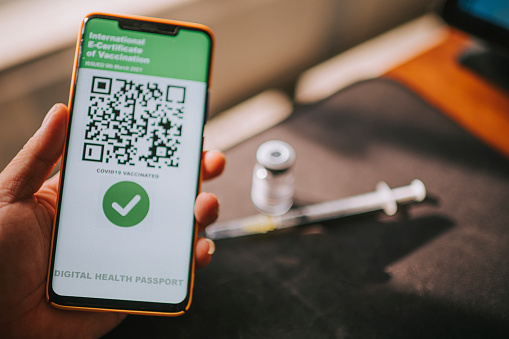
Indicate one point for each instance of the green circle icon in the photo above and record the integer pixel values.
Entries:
(126, 204)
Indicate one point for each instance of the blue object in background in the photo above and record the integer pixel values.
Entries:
(493, 11)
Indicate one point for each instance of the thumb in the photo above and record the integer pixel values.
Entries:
(26, 173)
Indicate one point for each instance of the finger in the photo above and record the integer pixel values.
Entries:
(52, 183)
(213, 164)
(50, 188)
(31, 166)
(206, 209)
(204, 250)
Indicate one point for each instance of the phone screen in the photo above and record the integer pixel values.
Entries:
(125, 226)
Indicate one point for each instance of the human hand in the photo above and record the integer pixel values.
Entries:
(27, 211)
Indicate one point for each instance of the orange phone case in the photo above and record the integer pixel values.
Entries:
(71, 97)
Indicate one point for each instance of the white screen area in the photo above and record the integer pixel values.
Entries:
(131, 175)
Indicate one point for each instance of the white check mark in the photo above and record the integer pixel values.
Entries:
(123, 211)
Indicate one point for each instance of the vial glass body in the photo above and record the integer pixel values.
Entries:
(273, 178)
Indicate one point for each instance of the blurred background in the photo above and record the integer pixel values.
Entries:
(261, 44)
(436, 269)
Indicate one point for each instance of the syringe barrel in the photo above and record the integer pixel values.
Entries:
(361, 203)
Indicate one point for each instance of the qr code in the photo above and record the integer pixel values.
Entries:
(133, 122)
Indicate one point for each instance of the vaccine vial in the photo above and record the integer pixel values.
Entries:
(273, 179)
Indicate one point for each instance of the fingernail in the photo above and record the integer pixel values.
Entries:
(212, 246)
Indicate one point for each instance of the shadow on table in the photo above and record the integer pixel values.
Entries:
(320, 280)
(383, 113)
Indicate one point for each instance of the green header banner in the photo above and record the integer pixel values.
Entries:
(108, 47)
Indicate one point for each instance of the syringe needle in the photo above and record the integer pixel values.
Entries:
(384, 198)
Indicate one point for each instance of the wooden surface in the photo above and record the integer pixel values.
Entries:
(477, 105)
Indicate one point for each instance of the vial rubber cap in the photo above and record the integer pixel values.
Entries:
(275, 155)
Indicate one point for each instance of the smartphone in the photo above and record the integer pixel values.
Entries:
(125, 231)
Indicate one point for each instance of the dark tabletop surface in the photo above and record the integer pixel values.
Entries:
(436, 269)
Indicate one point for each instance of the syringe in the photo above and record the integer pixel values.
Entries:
(384, 198)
